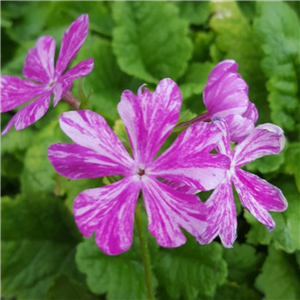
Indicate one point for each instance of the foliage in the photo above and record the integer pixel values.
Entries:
(43, 255)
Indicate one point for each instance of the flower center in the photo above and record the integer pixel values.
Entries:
(141, 172)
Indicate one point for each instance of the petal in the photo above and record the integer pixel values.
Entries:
(226, 92)
(251, 112)
(149, 118)
(180, 187)
(188, 159)
(247, 197)
(90, 130)
(168, 210)
(221, 216)
(39, 63)
(239, 127)
(29, 114)
(265, 139)
(109, 211)
(15, 92)
(267, 195)
(65, 83)
(72, 41)
(224, 145)
(78, 162)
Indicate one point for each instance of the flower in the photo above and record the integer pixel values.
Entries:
(149, 119)
(226, 96)
(257, 195)
(43, 79)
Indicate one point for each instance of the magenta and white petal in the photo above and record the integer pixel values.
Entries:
(149, 117)
(267, 195)
(109, 212)
(188, 159)
(72, 41)
(224, 145)
(64, 84)
(251, 112)
(15, 92)
(239, 127)
(39, 63)
(76, 162)
(29, 114)
(90, 130)
(226, 92)
(248, 198)
(265, 139)
(221, 216)
(180, 187)
(168, 211)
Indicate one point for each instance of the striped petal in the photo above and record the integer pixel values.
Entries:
(29, 114)
(108, 211)
(77, 162)
(265, 139)
(149, 118)
(39, 63)
(65, 83)
(188, 159)
(248, 198)
(267, 195)
(226, 92)
(72, 41)
(90, 130)
(15, 92)
(221, 216)
(169, 210)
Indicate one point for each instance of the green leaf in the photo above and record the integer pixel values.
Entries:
(191, 269)
(107, 80)
(121, 277)
(242, 261)
(277, 25)
(65, 288)
(143, 49)
(194, 81)
(35, 248)
(287, 231)
(237, 40)
(291, 165)
(279, 278)
(232, 291)
(194, 12)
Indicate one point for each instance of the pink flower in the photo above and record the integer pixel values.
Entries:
(226, 96)
(43, 79)
(257, 195)
(149, 119)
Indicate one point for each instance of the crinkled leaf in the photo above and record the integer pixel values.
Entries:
(286, 235)
(242, 261)
(191, 269)
(279, 278)
(195, 12)
(232, 291)
(278, 27)
(150, 40)
(107, 80)
(119, 277)
(194, 80)
(237, 40)
(65, 288)
(35, 249)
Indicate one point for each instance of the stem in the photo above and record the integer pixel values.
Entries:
(144, 252)
(71, 100)
(203, 117)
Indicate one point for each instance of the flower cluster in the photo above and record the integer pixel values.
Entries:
(200, 159)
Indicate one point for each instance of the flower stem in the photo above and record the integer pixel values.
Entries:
(71, 100)
(144, 252)
(203, 118)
